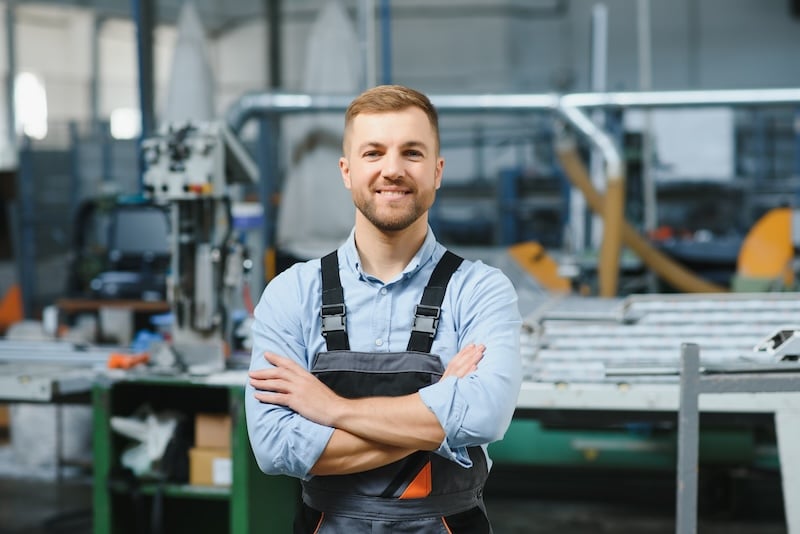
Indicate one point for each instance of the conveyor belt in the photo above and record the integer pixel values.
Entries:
(591, 339)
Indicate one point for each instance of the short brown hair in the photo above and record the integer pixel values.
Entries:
(388, 98)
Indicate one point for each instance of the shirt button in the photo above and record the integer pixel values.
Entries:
(383, 291)
(379, 342)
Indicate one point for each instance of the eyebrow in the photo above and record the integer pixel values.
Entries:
(408, 144)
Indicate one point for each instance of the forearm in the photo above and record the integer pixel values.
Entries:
(347, 453)
(403, 422)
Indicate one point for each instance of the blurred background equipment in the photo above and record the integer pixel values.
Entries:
(192, 170)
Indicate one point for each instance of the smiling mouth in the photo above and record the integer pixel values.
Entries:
(392, 194)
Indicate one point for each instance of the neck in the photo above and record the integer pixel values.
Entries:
(384, 255)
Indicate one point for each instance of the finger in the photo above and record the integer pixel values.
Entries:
(282, 362)
(263, 374)
(274, 385)
(273, 398)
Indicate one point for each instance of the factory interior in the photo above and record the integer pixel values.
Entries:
(632, 167)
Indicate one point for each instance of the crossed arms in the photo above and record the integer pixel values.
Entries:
(368, 432)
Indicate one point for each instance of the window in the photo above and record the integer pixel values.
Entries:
(30, 105)
(126, 123)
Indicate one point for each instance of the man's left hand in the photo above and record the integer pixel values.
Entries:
(288, 384)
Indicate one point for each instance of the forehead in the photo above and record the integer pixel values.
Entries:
(410, 124)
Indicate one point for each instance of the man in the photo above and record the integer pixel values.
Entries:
(381, 372)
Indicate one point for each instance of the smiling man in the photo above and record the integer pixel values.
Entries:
(381, 371)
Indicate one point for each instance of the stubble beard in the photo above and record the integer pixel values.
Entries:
(392, 220)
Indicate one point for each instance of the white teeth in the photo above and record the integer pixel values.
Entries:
(392, 193)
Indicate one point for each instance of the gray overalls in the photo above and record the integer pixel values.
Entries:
(422, 494)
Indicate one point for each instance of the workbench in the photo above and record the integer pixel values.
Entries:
(253, 502)
(644, 400)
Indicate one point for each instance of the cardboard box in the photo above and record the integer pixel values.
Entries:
(210, 467)
(212, 431)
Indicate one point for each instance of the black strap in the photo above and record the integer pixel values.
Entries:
(426, 314)
(334, 323)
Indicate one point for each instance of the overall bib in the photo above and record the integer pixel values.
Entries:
(423, 493)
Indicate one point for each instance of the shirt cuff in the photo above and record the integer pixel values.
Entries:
(441, 398)
(307, 451)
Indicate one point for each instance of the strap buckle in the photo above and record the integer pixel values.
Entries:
(333, 318)
(426, 319)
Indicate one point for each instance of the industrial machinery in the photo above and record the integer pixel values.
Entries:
(194, 169)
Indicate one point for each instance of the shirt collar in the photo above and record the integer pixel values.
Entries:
(348, 255)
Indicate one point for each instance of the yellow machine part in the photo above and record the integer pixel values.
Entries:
(767, 250)
(532, 257)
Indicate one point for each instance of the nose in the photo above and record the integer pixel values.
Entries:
(392, 166)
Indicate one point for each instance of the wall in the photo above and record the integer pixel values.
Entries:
(440, 46)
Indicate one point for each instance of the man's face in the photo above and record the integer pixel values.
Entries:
(391, 167)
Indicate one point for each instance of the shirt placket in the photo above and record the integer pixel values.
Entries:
(381, 319)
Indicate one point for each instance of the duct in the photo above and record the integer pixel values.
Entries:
(261, 104)
(653, 99)
(273, 103)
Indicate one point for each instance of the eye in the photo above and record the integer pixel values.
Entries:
(371, 154)
(414, 154)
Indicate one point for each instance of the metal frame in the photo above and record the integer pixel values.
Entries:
(787, 422)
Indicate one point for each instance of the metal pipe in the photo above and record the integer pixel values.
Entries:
(613, 207)
(258, 104)
(665, 99)
(275, 103)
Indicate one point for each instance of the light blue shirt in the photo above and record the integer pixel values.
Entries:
(480, 306)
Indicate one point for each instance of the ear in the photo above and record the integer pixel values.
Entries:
(437, 175)
(344, 169)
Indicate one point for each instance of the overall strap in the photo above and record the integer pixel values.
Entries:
(334, 325)
(426, 314)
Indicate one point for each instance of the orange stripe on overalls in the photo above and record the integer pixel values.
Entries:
(421, 485)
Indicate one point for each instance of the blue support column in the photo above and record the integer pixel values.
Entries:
(26, 228)
(507, 207)
(386, 41)
(11, 59)
(796, 170)
(143, 16)
(74, 171)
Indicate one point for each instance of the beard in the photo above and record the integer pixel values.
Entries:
(393, 218)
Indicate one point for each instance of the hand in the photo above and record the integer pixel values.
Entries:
(291, 385)
(465, 362)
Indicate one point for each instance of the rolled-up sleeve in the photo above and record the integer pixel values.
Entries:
(283, 442)
(477, 409)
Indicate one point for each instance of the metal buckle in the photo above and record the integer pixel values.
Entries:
(426, 319)
(333, 318)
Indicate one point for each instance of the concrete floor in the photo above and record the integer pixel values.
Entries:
(45, 507)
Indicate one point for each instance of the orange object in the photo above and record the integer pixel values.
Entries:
(11, 307)
(532, 257)
(117, 360)
(767, 251)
